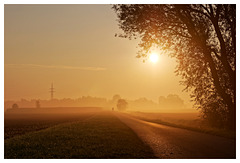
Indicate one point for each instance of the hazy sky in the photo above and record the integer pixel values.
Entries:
(74, 47)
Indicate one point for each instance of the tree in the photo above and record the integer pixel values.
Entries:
(122, 104)
(116, 98)
(203, 40)
(15, 106)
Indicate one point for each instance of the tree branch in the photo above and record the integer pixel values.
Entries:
(177, 33)
(223, 50)
(217, 55)
(200, 12)
(219, 89)
(205, 8)
(211, 11)
(218, 11)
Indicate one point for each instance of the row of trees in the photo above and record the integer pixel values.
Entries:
(203, 40)
(117, 100)
(69, 102)
(168, 102)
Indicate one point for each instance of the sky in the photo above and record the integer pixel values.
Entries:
(73, 47)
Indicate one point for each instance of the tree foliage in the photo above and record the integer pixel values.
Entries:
(203, 39)
(122, 104)
(115, 98)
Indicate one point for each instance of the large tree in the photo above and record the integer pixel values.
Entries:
(122, 104)
(203, 39)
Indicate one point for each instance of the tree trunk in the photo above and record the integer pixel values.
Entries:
(226, 97)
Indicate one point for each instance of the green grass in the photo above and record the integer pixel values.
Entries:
(102, 136)
(186, 125)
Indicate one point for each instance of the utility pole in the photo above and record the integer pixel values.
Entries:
(52, 91)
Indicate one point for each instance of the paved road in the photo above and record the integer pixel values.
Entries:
(170, 142)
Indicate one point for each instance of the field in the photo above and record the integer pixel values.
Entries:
(87, 134)
(190, 121)
(99, 135)
(22, 124)
(21, 121)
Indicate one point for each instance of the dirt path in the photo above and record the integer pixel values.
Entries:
(170, 142)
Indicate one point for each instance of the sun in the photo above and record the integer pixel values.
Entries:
(153, 57)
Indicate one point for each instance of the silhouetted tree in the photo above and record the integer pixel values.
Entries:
(202, 38)
(122, 104)
(15, 106)
(115, 99)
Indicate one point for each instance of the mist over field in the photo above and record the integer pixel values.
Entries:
(170, 103)
(26, 116)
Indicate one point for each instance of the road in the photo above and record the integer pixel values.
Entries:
(169, 142)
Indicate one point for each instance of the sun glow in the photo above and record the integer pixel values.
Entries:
(153, 57)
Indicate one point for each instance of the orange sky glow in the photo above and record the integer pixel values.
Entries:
(74, 47)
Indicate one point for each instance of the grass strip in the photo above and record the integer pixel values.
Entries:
(103, 136)
(213, 131)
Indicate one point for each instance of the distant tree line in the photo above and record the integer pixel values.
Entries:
(169, 103)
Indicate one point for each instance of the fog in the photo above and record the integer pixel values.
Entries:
(166, 104)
